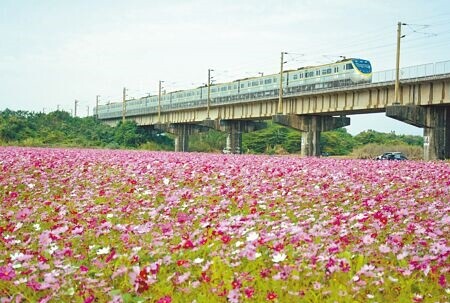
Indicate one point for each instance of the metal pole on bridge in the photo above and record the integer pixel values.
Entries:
(96, 106)
(208, 102)
(159, 101)
(124, 107)
(280, 100)
(75, 108)
(397, 63)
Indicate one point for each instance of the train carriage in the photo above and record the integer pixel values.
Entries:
(342, 73)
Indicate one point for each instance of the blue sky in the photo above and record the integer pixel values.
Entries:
(53, 52)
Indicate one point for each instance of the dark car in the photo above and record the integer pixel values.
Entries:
(392, 156)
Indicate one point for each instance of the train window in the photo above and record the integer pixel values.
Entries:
(242, 85)
(329, 71)
(349, 66)
(295, 77)
(235, 86)
(336, 69)
(300, 75)
(229, 87)
(274, 79)
(261, 82)
(223, 88)
(254, 83)
(267, 81)
(317, 72)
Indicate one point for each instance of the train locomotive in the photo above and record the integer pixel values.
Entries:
(345, 72)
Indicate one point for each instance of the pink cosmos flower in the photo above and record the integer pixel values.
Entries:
(89, 299)
(23, 214)
(442, 281)
(165, 299)
(249, 292)
(233, 296)
(271, 295)
(7, 273)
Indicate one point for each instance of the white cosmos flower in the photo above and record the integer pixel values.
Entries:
(37, 227)
(166, 181)
(103, 251)
(198, 260)
(252, 236)
(16, 256)
(278, 257)
(136, 249)
(392, 279)
(239, 243)
(53, 247)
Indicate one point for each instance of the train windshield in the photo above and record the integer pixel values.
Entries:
(363, 65)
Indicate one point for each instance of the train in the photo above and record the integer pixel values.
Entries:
(345, 72)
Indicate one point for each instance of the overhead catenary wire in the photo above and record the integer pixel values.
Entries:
(366, 44)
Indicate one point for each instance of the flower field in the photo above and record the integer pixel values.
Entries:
(131, 226)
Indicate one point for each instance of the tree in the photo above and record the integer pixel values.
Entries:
(337, 142)
(14, 129)
(127, 134)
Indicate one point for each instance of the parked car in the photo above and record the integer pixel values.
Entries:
(392, 156)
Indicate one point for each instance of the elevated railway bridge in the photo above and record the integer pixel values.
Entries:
(424, 101)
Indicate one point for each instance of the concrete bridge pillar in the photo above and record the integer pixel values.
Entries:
(311, 127)
(234, 128)
(234, 137)
(310, 145)
(182, 132)
(435, 121)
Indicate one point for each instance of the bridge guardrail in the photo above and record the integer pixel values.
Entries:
(410, 72)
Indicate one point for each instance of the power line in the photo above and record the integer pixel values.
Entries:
(367, 43)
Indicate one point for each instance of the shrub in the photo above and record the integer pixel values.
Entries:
(372, 150)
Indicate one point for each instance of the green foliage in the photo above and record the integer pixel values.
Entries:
(337, 142)
(371, 136)
(127, 134)
(272, 138)
(210, 141)
(58, 128)
(276, 139)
